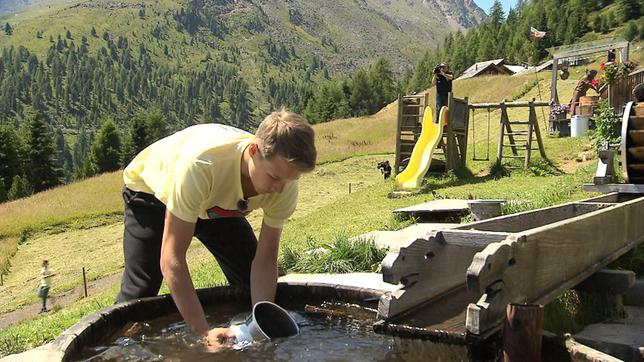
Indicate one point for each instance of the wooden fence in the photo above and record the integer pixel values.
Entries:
(620, 91)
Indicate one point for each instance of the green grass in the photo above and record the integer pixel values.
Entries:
(93, 238)
(341, 255)
(42, 329)
(67, 222)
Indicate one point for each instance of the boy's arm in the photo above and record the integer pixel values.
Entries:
(177, 235)
(263, 272)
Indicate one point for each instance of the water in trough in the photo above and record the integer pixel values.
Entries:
(346, 336)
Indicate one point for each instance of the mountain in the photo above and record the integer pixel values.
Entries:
(9, 6)
(76, 64)
(345, 34)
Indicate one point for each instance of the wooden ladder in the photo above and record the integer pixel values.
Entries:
(521, 137)
(411, 109)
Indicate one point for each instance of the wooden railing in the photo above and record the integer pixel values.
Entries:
(620, 91)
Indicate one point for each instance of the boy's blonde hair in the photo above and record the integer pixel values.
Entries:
(289, 135)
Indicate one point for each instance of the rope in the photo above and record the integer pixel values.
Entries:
(543, 115)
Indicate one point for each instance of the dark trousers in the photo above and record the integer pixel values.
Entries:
(441, 101)
(43, 292)
(230, 240)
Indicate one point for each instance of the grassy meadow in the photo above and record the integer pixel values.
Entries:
(80, 224)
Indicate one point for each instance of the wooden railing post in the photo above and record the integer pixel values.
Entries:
(84, 283)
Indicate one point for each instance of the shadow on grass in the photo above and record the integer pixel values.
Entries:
(462, 176)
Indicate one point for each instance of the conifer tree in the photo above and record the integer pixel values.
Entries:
(631, 31)
(42, 163)
(8, 29)
(20, 188)
(629, 9)
(105, 151)
(10, 155)
(383, 82)
(362, 95)
(3, 191)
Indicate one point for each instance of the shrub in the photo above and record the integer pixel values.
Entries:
(607, 126)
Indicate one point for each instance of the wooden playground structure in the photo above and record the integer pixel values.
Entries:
(517, 136)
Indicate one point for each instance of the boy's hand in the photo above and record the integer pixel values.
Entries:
(218, 339)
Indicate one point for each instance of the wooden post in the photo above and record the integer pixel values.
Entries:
(499, 155)
(84, 282)
(398, 129)
(554, 98)
(1, 279)
(522, 333)
(532, 127)
(349, 187)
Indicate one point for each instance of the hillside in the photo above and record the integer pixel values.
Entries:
(344, 35)
(76, 65)
(87, 231)
(10, 6)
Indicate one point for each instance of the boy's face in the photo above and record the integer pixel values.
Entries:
(271, 175)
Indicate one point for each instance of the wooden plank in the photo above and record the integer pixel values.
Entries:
(436, 205)
(394, 240)
(608, 281)
(398, 129)
(429, 267)
(637, 153)
(625, 188)
(577, 49)
(536, 218)
(537, 265)
(507, 104)
(637, 136)
(582, 353)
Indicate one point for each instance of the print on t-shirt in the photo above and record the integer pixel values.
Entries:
(219, 213)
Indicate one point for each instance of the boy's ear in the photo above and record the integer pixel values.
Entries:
(252, 149)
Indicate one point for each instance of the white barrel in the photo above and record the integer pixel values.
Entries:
(578, 126)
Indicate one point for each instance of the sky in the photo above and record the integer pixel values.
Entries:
(487, 4)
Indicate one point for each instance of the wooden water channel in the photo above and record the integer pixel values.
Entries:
(456, 283)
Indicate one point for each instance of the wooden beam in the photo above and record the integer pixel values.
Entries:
(430, 267)
(508, 105)
(398, 129)
(608, 281)
(586, 48)
(537, 265)
(554, 98)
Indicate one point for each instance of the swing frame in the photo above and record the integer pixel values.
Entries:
(487, 150)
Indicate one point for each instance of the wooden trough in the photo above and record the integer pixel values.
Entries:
(457, 283)
(101, 325)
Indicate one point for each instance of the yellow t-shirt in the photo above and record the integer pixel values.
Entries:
(196, 173)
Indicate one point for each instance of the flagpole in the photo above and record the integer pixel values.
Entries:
(536, 34)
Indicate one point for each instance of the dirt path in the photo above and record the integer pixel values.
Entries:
(66, 298)
(62, 299)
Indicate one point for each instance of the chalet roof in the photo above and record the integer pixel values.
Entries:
(477, 68)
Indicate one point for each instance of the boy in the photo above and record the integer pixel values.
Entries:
(43, 291)
(201, 182)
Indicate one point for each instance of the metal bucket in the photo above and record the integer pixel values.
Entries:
(267, 321)
(484, 209)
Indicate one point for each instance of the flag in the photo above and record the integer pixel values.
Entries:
(534, 33)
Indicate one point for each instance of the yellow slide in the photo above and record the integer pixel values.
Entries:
(421, 156)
